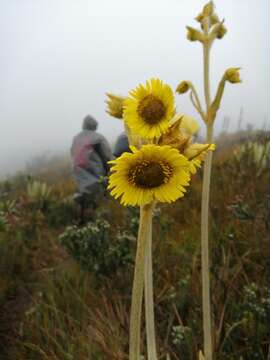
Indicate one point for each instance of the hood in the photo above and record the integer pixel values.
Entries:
(89, 123)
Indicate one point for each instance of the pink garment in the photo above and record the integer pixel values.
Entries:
(81, 150)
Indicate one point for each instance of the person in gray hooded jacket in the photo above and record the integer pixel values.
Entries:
(90, 153)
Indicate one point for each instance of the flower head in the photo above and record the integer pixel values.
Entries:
(232, 75)
(153, 173)
(179, 136)
(115, 105)
(149, 109)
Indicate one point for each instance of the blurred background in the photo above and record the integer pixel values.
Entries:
(59, 58)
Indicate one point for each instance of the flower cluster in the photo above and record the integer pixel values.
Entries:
(179, 334)
(160, 169)
(211, 29)
(208, 20)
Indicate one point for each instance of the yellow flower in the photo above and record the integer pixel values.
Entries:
(196, 154)
(153, 173)
(115, 105)
(149, 109)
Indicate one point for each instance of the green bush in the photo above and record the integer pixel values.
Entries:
(96, 250)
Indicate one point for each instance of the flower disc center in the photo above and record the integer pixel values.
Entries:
(149, 174)
(151, 109)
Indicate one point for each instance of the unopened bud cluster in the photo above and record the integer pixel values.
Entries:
(211, 28)
(208, 20)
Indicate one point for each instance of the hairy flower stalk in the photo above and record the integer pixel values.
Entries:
(205, 254)
(206, 302)
(115, 108)
(212, 28)
(138, 282)
(149, 300)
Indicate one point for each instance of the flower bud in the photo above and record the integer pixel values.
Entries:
(219, 31)
(194, 34)
(183, 87)
(176, 136)
(214, 19)
(232, 75)
(198, 151)
(115, 105)
(199, 17)
(208, 9)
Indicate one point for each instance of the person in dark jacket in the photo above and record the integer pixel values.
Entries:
(90, 153)
(121, 145)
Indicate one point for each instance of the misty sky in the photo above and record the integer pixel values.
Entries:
(59, 57)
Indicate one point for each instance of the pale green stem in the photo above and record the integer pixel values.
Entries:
(149, 301)
(138, 282)
(206, 303)
(206, 51)
(205, 252)
(196, 103)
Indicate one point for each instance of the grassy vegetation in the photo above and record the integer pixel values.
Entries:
(59, 301)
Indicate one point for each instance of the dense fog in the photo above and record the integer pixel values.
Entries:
(59, 58)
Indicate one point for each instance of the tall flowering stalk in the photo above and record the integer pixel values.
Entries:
(138, 282)
(158, 169)
(211, 29)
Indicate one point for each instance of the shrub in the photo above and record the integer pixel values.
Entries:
(95, 250)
